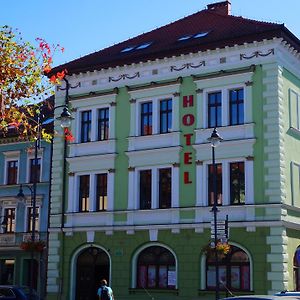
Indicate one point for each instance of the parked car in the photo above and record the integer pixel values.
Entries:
(288, 293)
(263, 297)
(13, 292)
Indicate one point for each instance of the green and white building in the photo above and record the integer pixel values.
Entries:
(131, 196)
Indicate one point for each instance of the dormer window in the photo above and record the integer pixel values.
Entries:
(193, 36)
(127, 49)
(184, 38)
(200, 35)
(143, 46)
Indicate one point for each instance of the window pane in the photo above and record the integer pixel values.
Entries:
(35, 170)
(12, 172)
(10, 218)
(145, 189)
(211, 184)
(237, 183)
(101, 192)
(165, 187)
(103, 124)
(215, 109)
(236, 106)
(84, 193)
(165, 115)
(163, 277)
(146, 118)
(235, 278)
(30, 218)
(151, 276)
(86, 126)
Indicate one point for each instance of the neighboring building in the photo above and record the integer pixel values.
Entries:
(134, 202)
(18, 167)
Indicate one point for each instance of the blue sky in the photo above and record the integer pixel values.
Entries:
(82, 27)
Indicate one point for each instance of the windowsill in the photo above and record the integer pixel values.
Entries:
(294, 132)
(153, 291)
(224, 292)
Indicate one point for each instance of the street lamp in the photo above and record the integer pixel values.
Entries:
(65, 119)
(215, 140)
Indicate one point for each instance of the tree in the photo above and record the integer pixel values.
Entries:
(23, 84)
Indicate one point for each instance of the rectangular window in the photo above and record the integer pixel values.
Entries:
(236, 106)
(10, 218)
(211, 184)
(35, 170)
(30, 219)
(84, 193)
(165, 187)
(295, 184)
(12, 172)
(237, 183)
(165, 115)
(145, 189)
(214, 109)
(103, 124)
(101, 192)
(294, 108)
(86, 124)
(146, 118)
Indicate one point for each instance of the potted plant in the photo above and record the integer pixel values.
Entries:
(29, 245)
(222, 249)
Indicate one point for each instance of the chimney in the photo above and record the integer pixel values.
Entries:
(222, 8)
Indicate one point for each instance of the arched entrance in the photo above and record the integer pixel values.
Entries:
(92, 266)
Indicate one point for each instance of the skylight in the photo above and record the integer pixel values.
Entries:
(200, 35)
(193, 36)
(143, 46)
(185, 37)
(127, 49)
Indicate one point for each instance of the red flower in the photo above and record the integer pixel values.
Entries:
(68, 135)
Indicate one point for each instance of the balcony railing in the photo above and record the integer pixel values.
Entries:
(15, 239)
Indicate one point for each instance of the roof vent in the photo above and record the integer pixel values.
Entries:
(222, 8)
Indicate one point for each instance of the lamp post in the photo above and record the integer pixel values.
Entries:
(65, 119)
(215, 140)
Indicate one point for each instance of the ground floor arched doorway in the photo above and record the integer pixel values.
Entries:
(93, 264)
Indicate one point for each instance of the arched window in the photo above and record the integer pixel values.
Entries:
(297, 269)
(156, 268)
(234, 271)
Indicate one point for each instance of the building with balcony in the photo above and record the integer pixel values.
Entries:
(133, 200)
(18, 167)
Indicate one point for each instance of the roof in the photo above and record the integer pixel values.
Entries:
(222, 30)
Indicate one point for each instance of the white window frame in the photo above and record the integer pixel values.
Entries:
(225, 103)
(294, 165)
(94, 121)
(31, 156)
(297, 112)
(154, 185)
(16, 212)
(11, 156)
(155, 113)
(73, 205)
(27, 220)
(203, 193)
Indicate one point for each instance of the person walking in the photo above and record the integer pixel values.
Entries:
(105, 292)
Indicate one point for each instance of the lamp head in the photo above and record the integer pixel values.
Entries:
(215, 139)
(65, 118)
(21, 197)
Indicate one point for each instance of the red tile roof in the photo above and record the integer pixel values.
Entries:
(224, 30)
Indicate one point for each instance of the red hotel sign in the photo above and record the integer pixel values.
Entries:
(188, 120)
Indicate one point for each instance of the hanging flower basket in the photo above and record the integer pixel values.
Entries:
(37, 246)
(222, 249)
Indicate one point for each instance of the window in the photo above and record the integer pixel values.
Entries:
(10, 217)
(294, 107)
(145, 189)
(143, 46)
(237, 183)
(156, 268)
(7, 267)
(297, 269)
(165, 115)
(30, 219)
(101, 203)
(214, 109)
(211, 184)
(12, 172)
(103, 124)
(35, 170)
(165, 183)
(234, 271)
(236, 106)
(146, 118)
(84, 193)
(86, 124)
(295, 184)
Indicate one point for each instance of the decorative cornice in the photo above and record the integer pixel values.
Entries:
(257, 54)
(187, 66)
(123, 76)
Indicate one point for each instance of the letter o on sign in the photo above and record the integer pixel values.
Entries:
(188, 120)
